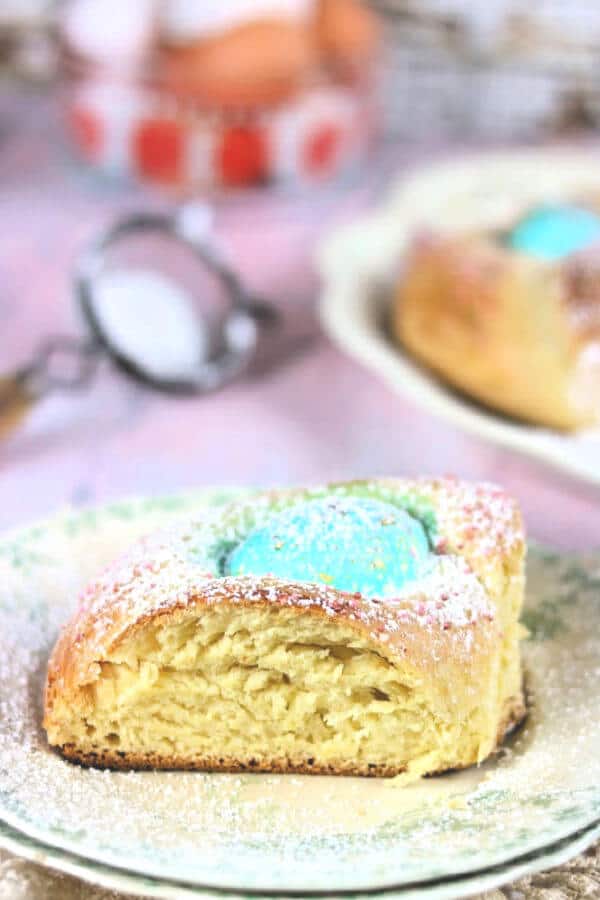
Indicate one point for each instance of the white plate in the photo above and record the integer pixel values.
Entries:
(359, 265)
(142, 886)
(284, 833)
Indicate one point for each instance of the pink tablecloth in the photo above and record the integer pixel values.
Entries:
(318, 417)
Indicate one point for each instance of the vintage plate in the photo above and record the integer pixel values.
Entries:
(360, 263)
(259, 833)
(144, 886)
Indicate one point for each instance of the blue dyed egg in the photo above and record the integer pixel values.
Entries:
(350, 543)
(552, 232)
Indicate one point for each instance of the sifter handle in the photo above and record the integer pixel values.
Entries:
(61, 363)
(16, 399)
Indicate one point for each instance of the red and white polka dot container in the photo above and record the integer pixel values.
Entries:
(125, 123)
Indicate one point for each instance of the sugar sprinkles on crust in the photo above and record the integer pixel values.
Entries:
(175, 568)
(484, 515)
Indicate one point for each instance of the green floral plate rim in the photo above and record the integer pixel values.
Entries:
(140, 886)
(271, 833)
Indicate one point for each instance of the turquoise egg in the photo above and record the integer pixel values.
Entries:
(552, 232)
(350, 543)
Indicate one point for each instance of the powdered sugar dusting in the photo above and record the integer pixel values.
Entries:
(268, 831)
(450, 596)
(176, 567)
(481, 516)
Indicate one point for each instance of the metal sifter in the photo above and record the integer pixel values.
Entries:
(183, 323)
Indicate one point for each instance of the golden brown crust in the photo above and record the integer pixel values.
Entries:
(110, 759)
(507, 329)
(153, 583)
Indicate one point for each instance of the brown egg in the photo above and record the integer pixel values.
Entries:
(347, 31)
(257, 64)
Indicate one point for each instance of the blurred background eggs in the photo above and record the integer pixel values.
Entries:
(220, 94)
(347, 31)
(181, 22)
(230, 62)
(125, 35)
(259, 63)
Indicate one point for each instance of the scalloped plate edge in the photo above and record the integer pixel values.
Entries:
(140, 886)
(357, 260)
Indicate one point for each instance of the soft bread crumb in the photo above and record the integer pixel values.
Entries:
(168, 665)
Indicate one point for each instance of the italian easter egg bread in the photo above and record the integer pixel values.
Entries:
(512, 319)
(367, 628)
